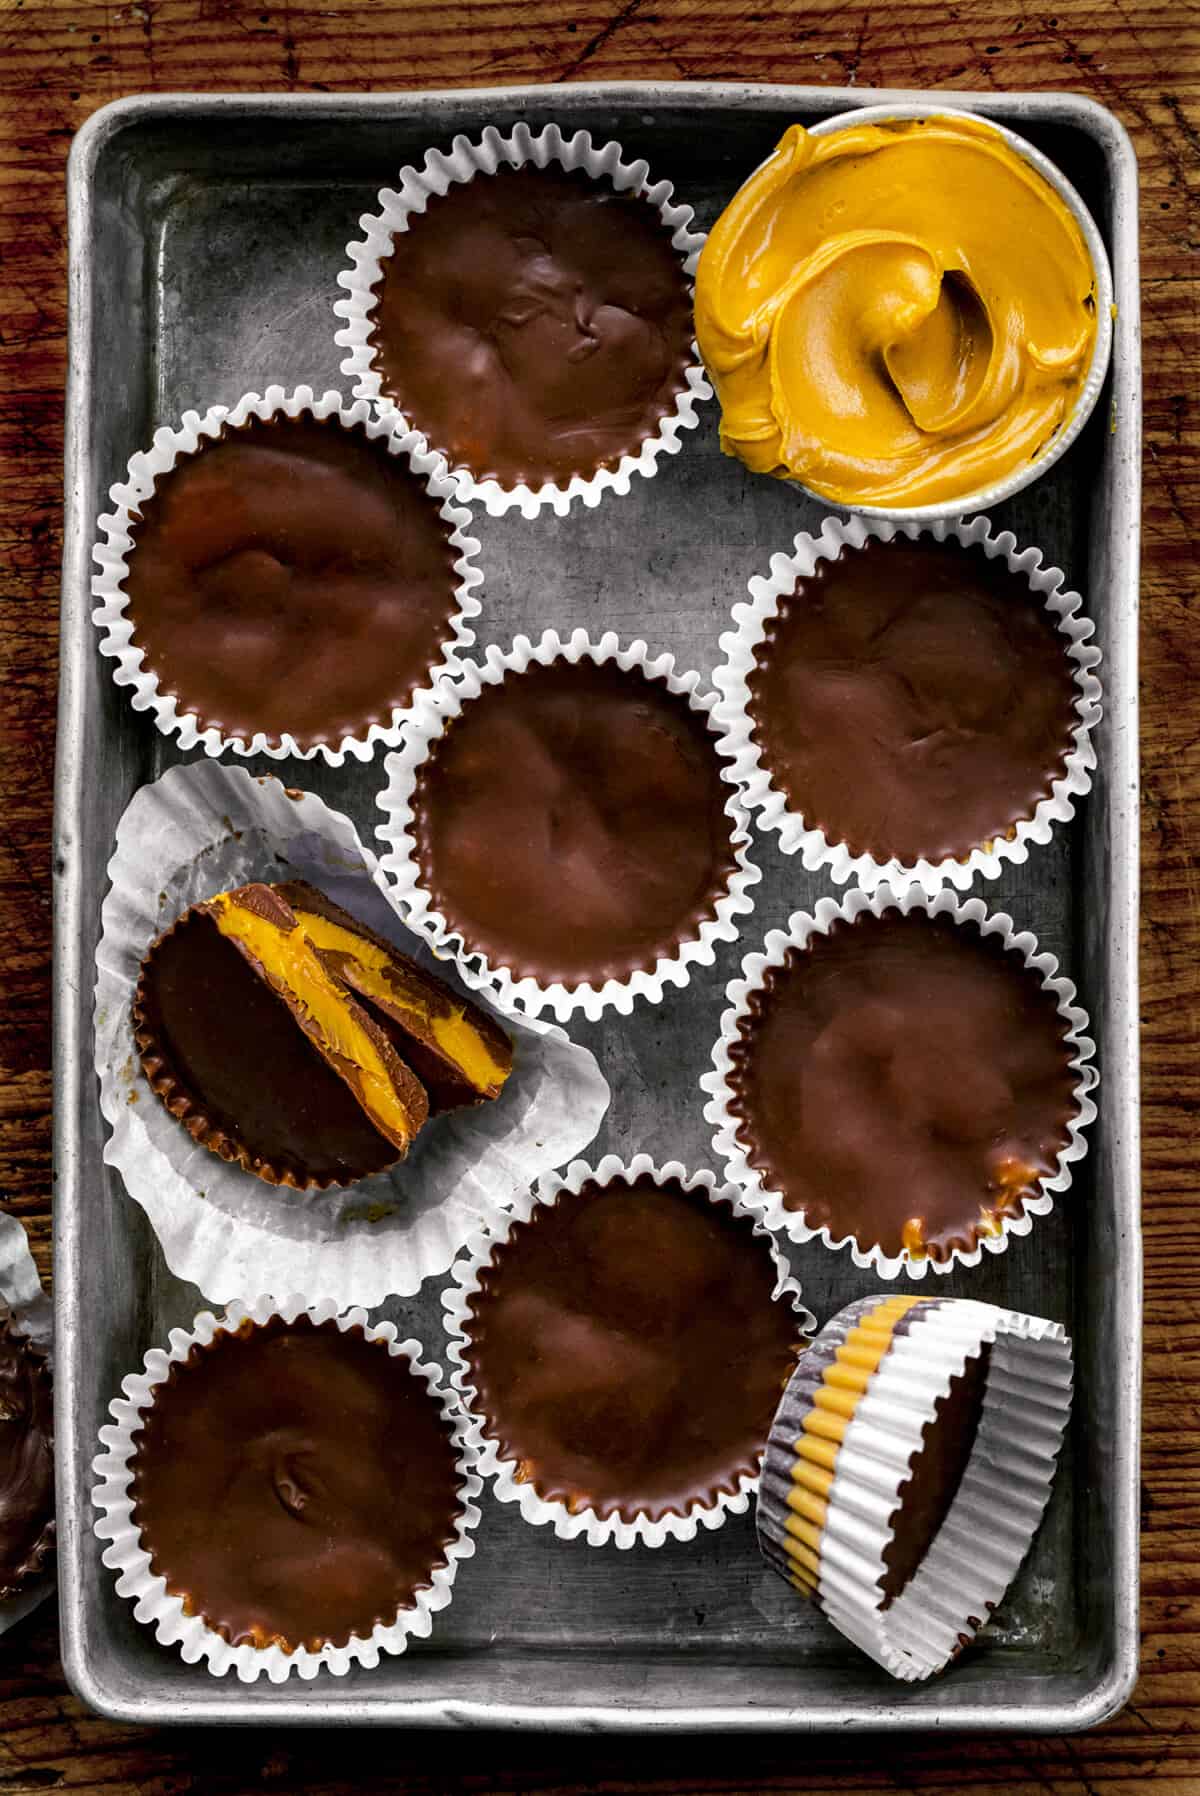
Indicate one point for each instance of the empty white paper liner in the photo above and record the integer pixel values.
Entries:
(841, 1448)
(465, 161)
(768, 801)
(720, 1112)
(126, 1555)
(507, 1486)
(205, 828)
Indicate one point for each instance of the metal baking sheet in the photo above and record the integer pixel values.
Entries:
(206, 233)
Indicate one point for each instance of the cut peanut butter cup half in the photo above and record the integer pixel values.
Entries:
(290, 1039)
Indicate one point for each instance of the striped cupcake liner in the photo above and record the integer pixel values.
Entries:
(842, 1445)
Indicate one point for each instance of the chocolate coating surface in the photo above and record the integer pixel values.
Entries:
(626, 1349)
(913, 699)
(534, 323)
(26, 1461)
(234, 1049)
(291, 576)
(935, 1474)
(903, 1071)
(571, 825)
(295, 1484)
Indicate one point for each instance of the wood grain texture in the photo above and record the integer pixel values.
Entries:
(59, 60)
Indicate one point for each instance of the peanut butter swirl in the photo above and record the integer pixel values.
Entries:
(896, 314)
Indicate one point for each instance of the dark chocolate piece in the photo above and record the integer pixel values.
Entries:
(626, 1348)
(26, 1461)
(222, 1048)
(535, 324)
(295, 1484)
(935, 1475)
(291, 576)
(913, 699)
(571, 825)
(900, 1077)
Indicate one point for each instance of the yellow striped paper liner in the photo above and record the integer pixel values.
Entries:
(843, 1382)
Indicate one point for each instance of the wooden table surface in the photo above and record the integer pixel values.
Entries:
(59, 60)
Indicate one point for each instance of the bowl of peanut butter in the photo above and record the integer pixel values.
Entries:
(907, 310)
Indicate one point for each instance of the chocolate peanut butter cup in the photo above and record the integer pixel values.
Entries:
(26, 1461)
(283, 578)
(569, 824)
(909, 1081)
(535, 324)
(908, 1467)
(913, 699)
(525, 302)
(295, 1484)
(287, 1490)
(286, 1036)
(913, 706)
(623, 1349)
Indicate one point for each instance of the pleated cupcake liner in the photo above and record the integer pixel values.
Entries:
(582, 1522)
(802, 926)
(434, 711)
(209, 827)
(465, 161)
(770, 804)
(116, 542)
(836, 1461)
(126, 1554)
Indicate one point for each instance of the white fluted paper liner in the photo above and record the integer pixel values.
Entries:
(802, 925)
(770, 803)
(21, 1292)
(115, 543)
(153, 1603)
(32, 1315)
(205, 828)
(995, 1513)
(433, 710)
(464, 162)
(570, 1524)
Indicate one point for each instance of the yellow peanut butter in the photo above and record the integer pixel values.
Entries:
(895, 314)
(454, 1035)
(287, 956)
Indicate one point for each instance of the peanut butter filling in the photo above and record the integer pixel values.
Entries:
(377, 978)
(895, 314)
(287, 956)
